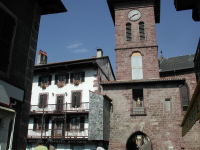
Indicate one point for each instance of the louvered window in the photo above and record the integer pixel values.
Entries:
(142, 31)
(7, 27)
(128, 32)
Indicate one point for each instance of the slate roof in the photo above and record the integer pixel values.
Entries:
(177, 63)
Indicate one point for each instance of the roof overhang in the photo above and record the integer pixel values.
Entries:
(189, 4)
(156, 3)
(51, 6)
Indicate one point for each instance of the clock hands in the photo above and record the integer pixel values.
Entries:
(133, 16)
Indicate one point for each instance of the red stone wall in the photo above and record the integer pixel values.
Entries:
(162, 127)
(148, 47)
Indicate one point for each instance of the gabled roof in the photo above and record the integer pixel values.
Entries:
(177, 63)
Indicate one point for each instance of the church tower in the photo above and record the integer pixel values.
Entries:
(135, 38)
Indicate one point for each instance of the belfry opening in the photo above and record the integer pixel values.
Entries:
(139, 141)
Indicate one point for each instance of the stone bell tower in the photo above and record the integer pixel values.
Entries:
(135, 38)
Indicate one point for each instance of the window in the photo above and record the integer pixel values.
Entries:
(128, 32)
(59, 105)
(184, 96)
(138, 102)
(76, 99)
(77, 123)
(43, 101)
(44, 80)
(61, 79)
(7, 29)
(136, 65)
(142, 31)
(38, 123)
(167, 105)
(77, 77)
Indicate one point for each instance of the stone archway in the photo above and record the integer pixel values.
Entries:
(139, 141)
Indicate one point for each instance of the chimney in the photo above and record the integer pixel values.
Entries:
(42, 58)
(99, 53)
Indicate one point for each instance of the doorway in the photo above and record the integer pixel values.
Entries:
(139, 141)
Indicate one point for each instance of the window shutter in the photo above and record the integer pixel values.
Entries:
(52, 131)
(58, 103)
(50, 78)
(67, 78)
(39, 80)
(185, 97)
(82, 121)
(83, 77)
(71, 77)
(7, 24)
(68, 123)
(73, 99)
(56, 79)
(45, 100)
(61, 102)
(63, 129)
(41, 101)
(34, 124)
(78, 97)
(46, 124)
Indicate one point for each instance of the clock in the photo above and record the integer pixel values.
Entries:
(134, 15)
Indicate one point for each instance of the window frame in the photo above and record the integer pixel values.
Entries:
(42, 77)
(73, 74)
(47, 98)
(170, 101)
(63, 82)
(137, 56)
(76, 102)
(2, 6)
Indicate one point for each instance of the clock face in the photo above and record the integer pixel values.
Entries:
(134, 15)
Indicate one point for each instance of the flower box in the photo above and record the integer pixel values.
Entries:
(76, 82)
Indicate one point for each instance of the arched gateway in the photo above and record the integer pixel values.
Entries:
(139, 141)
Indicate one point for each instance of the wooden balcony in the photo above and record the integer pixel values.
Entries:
(58, 133)
(60, 108)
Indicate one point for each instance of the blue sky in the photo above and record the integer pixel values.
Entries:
(88, 25)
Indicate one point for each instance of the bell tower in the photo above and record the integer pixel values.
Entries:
(135, 38)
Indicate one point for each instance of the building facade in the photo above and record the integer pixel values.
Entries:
(67, 105)
(150, 95)
(19, 27)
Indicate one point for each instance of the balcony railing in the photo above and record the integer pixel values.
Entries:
(57, 108)
(57, 133)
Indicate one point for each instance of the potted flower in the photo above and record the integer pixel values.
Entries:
(60, 85)
(76, 82)
(43, 86)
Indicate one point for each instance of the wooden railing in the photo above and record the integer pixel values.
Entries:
(58, 108)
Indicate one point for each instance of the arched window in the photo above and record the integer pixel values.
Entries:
(142, 31)
(136, 64)
(128, 32)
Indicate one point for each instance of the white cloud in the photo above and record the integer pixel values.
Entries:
(80, 51)
(71, 46)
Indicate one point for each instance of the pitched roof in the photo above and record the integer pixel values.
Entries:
(177, 63)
